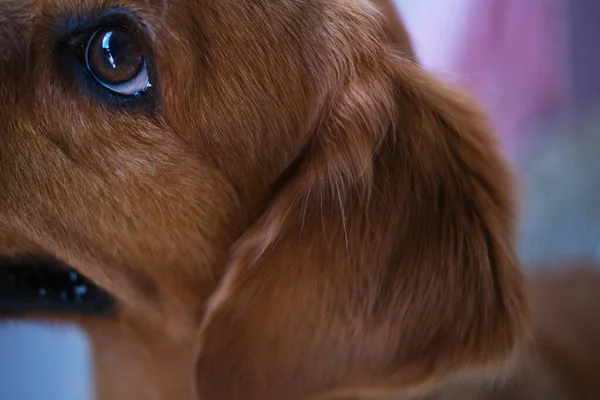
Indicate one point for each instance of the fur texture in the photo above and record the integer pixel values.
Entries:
(300, 211)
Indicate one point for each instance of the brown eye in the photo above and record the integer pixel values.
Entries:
(116, 61)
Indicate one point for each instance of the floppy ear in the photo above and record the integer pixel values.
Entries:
(395, 30)
(385, 261)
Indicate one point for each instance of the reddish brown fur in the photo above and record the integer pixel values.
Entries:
(307, 213)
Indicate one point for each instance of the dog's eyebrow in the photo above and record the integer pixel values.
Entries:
(70, 24)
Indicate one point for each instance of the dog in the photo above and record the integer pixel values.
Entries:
(279, 201)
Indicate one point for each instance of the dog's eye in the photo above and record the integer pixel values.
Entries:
(116, 61)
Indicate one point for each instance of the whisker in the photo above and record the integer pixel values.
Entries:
(337, 186)
(304, 208)
(322, 216)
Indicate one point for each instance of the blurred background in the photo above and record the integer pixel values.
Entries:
(535, 67)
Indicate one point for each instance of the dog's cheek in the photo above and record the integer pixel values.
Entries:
(125, 207)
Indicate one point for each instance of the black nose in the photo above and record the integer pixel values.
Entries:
(39, 284)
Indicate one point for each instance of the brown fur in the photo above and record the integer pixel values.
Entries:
(560, 362)
(394, 28)
(303, 213)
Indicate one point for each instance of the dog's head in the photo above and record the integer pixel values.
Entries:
(266, 180)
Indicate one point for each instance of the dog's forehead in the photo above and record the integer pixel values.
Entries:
(39, 20)
(172, 14)
(198, 27)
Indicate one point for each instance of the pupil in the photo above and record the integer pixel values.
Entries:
(114, 57)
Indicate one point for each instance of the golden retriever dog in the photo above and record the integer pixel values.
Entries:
(278, 201)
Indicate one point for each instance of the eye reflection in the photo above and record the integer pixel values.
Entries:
(116, 61)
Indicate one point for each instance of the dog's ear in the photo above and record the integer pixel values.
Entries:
(385, 261)
(394, 28)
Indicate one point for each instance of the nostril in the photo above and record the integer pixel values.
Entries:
(42, 284)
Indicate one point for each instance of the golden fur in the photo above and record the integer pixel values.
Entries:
(304, 212)
(394, 29)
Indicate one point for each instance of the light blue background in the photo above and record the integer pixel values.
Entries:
(44, 362)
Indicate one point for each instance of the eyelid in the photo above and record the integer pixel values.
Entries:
(87, 23)
(74, 32)
(133, 87)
